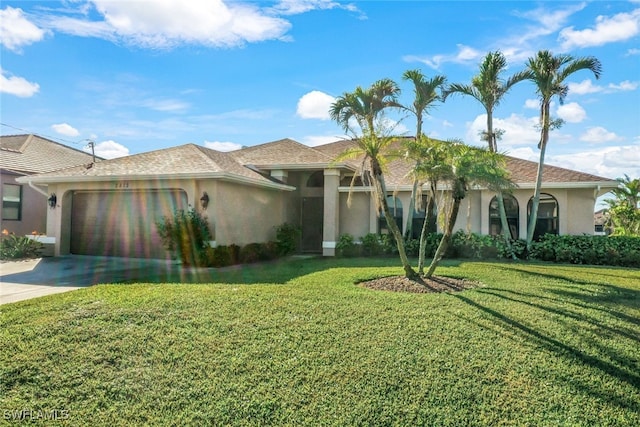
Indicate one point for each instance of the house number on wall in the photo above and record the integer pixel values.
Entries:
(122, 184)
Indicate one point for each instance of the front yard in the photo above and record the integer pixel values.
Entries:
(297, 343)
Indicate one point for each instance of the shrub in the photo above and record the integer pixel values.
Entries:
(219, 256)
(472, 245)
(346, 246)
(371, 244)
(596, 250)
(187, 235)
(255, 252)
(287, 238)
(14, 247)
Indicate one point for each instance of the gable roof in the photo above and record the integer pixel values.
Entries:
(523, 172)
(34, 154)
(282, 154)
(184, 161)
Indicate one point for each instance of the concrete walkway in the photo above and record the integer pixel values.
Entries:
(25, 279)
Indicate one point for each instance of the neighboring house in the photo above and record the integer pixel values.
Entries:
(24, 208)
(112, 207)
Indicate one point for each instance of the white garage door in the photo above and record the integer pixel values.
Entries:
(121, 223)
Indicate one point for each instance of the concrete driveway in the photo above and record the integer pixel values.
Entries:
(25, 279)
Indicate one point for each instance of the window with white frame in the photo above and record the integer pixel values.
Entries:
(11, 202)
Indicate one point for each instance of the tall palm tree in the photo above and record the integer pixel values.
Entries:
(549, 73)
(366, 107)
(488, 88)
(425, 95)
(466, 167)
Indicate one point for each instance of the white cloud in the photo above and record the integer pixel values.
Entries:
(607, 29)
(16, 30)
(65, 129)
(17, 86)
(447, 124)
(109, 150)
(464, 55)
(572, 112)
(584, 87)
(625, 86)
(518, 130)
(533, 104)
(161, 24)
(608, 162)
(315, 105)
(222, 146)
(599, 134)
(166, 105)
(294, 7)
(633, 51)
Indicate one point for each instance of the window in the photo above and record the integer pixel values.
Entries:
(547, 216)
(11, 202)
(512, 210)
(395, 206)
(419, 218)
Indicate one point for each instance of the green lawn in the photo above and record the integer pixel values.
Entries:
(296, 343)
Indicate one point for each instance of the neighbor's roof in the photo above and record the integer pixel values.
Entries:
(523, 172)
(184, 161)
(282, 154)
(35, 154)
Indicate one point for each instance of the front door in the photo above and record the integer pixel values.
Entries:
(312, 216)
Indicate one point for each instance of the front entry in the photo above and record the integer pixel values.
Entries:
(312, 217)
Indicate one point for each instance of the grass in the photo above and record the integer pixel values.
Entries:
(297, 343)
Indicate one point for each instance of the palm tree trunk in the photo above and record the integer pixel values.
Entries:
(446, 238)
(428, 220)
(544, 138)
(391, 223)
(412, 206)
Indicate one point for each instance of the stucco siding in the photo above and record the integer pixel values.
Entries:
(246, 214)
(354, 219)
(580, 207)
(33, 209)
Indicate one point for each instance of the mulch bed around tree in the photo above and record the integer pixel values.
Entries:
(420, 285)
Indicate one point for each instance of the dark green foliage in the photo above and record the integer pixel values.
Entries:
(287, 238)
(347, 247)
(474, 245)
(220, 256)
(596, 250)
(14, 247)
(187, 235)
(256, 252)
(371, 244)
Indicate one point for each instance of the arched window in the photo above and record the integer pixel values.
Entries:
(512, 210)
(547, 215)
(316, 179)
(419, 218)
(395, 206)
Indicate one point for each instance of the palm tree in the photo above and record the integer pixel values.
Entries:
(549, 73)
(366, 107)
(425, 94)
(488, 88)
(624, 209)
(467, 167)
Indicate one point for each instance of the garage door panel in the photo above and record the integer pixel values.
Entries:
(121, 223)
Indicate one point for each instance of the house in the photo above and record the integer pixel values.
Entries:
(24, 208)
(112, 207)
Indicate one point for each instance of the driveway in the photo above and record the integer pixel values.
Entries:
(25, 279)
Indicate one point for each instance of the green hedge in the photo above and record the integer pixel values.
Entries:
(594, 250)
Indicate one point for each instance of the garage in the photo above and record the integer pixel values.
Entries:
(121, 223)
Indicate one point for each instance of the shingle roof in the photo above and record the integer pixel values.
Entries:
(35, 154)
(184, 160)
(282, 152)
(522, 171)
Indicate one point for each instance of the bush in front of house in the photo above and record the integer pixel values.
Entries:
(347, 246)
(187, 235)
(621, 251)
(287, 238)
(256, 252)
(16, 247)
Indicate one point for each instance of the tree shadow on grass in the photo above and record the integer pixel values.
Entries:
(564, 350)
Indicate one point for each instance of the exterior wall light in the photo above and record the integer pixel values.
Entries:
(53, 199)
(204, 200)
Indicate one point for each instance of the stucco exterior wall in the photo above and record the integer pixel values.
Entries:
(354, 219)
(246, 214)
(579, 211)
(33, 211)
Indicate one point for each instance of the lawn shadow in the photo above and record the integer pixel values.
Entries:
(562, 349)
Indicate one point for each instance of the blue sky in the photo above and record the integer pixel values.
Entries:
(134, 76)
